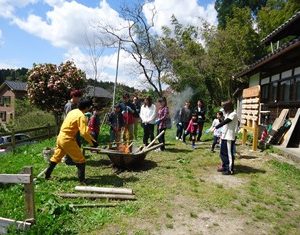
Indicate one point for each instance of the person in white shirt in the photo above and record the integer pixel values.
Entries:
(229, 131)
(217, 132)
(148, 117)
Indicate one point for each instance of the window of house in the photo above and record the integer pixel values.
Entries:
(273, 92)
(297, 71)
(275, 77)
(264, 93)
(265, 81)
(3, 116)
(286, 74)
(285, 90)
(6, 100)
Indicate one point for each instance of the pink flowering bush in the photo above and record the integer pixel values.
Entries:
(49, 85)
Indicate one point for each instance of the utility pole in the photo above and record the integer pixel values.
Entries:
(116, 78)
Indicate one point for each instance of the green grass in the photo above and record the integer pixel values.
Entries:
(178, 180)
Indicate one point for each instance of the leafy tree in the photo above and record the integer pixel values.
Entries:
(49, 86)
(231, 50)
(186, 56)
(274, 14)
(225, 8)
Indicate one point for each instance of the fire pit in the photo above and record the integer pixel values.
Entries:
(125, 158)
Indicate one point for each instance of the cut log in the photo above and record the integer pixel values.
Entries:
(108, 196)
(92, 205)
(104, 190)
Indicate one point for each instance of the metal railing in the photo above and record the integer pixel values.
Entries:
(37, 133)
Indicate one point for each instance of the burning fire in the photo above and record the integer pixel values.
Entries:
(125, 148)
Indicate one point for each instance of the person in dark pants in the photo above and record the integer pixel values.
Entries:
(184, 117)
(217, 132)
(163, 114)
(66, 143)
(200, 111)
(148, 115)
(137, 118)
(229, 131)
(192, 129)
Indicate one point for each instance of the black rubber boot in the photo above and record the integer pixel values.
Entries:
(81, 172)
(49, 170)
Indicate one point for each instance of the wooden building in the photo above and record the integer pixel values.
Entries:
(9, 92)
(278, 73)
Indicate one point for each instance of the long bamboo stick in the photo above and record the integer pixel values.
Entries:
(153, 141)
(104, 190)
(109, 196)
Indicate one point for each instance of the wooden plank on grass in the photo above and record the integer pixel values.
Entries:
(15, 178)
(4, 223)
(104, 190)
(291, 130)
(109, 196)
(280, 120)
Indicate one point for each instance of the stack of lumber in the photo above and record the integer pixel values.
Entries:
(100, 192)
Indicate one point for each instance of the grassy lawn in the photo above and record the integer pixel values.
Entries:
(178, 192)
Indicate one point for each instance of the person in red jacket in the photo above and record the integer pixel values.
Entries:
(192, 129)
(94, 124)
(128, 111)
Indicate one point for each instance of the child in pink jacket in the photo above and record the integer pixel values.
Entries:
(192, 129)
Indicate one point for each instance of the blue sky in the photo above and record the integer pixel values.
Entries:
(52, 31)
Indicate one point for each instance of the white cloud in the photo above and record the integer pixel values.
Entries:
(107, 67)
(186, 12)
(54, 2)
(68, 23)
(8, 7)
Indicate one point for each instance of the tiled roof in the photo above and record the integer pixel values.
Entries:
(293, 21)
(284, 48)
(16, 85)
(99, 92)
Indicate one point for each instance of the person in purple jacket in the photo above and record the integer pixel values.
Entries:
(163, 114)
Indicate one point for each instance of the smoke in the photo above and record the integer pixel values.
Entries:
(177, 100)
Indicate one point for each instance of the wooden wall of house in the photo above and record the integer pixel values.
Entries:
(10, 110)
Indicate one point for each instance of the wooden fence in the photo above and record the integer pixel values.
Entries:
(26, 178)
(37, 133)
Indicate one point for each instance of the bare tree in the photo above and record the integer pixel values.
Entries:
(95, 50)
(142, 43)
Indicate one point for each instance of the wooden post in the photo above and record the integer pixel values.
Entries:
(29, 196)
(255, 137)
(244, 136)
(13, 139)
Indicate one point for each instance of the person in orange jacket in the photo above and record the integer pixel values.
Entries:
(74, 122)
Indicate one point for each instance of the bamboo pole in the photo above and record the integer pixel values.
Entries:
(108, 196)
(104, 190)
(93, 205)
(153, 141)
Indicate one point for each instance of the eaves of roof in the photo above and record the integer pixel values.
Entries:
(294, 21)
(285, 48)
